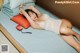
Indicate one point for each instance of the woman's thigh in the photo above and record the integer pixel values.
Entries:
(66, 23)
(64, 26)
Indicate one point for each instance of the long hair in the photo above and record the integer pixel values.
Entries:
(29, 10)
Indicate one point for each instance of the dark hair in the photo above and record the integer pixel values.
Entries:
(29, 10)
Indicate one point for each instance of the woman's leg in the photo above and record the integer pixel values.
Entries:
(66, 28)
(68, 31)
(71, 41)
(68, 37)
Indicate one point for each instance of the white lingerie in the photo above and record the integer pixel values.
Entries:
(50, 24)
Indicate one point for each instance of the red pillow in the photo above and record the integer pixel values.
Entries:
(19, 19)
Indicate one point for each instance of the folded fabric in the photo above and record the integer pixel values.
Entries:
(5, 2)
(6, 9)
(16, 3)
(16, 10)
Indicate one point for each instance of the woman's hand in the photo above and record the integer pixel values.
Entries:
(21, 7)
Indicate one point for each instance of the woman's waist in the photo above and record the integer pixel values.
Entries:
(49, 23)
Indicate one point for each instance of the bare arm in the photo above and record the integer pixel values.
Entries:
(33, 24)
(34, 9)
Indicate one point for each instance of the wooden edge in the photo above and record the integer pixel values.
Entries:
(12, 40)
(1, 3)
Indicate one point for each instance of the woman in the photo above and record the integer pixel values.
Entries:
(43, 21)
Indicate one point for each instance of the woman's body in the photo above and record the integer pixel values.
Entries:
(65, 28)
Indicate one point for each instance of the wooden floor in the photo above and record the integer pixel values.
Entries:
(5, 41)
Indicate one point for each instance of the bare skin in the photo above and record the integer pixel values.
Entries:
(66, 27)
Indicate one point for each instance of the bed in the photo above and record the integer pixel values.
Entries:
(40, 41)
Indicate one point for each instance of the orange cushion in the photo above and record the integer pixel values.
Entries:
(19, 19)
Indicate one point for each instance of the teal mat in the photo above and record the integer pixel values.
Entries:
(40, 41)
